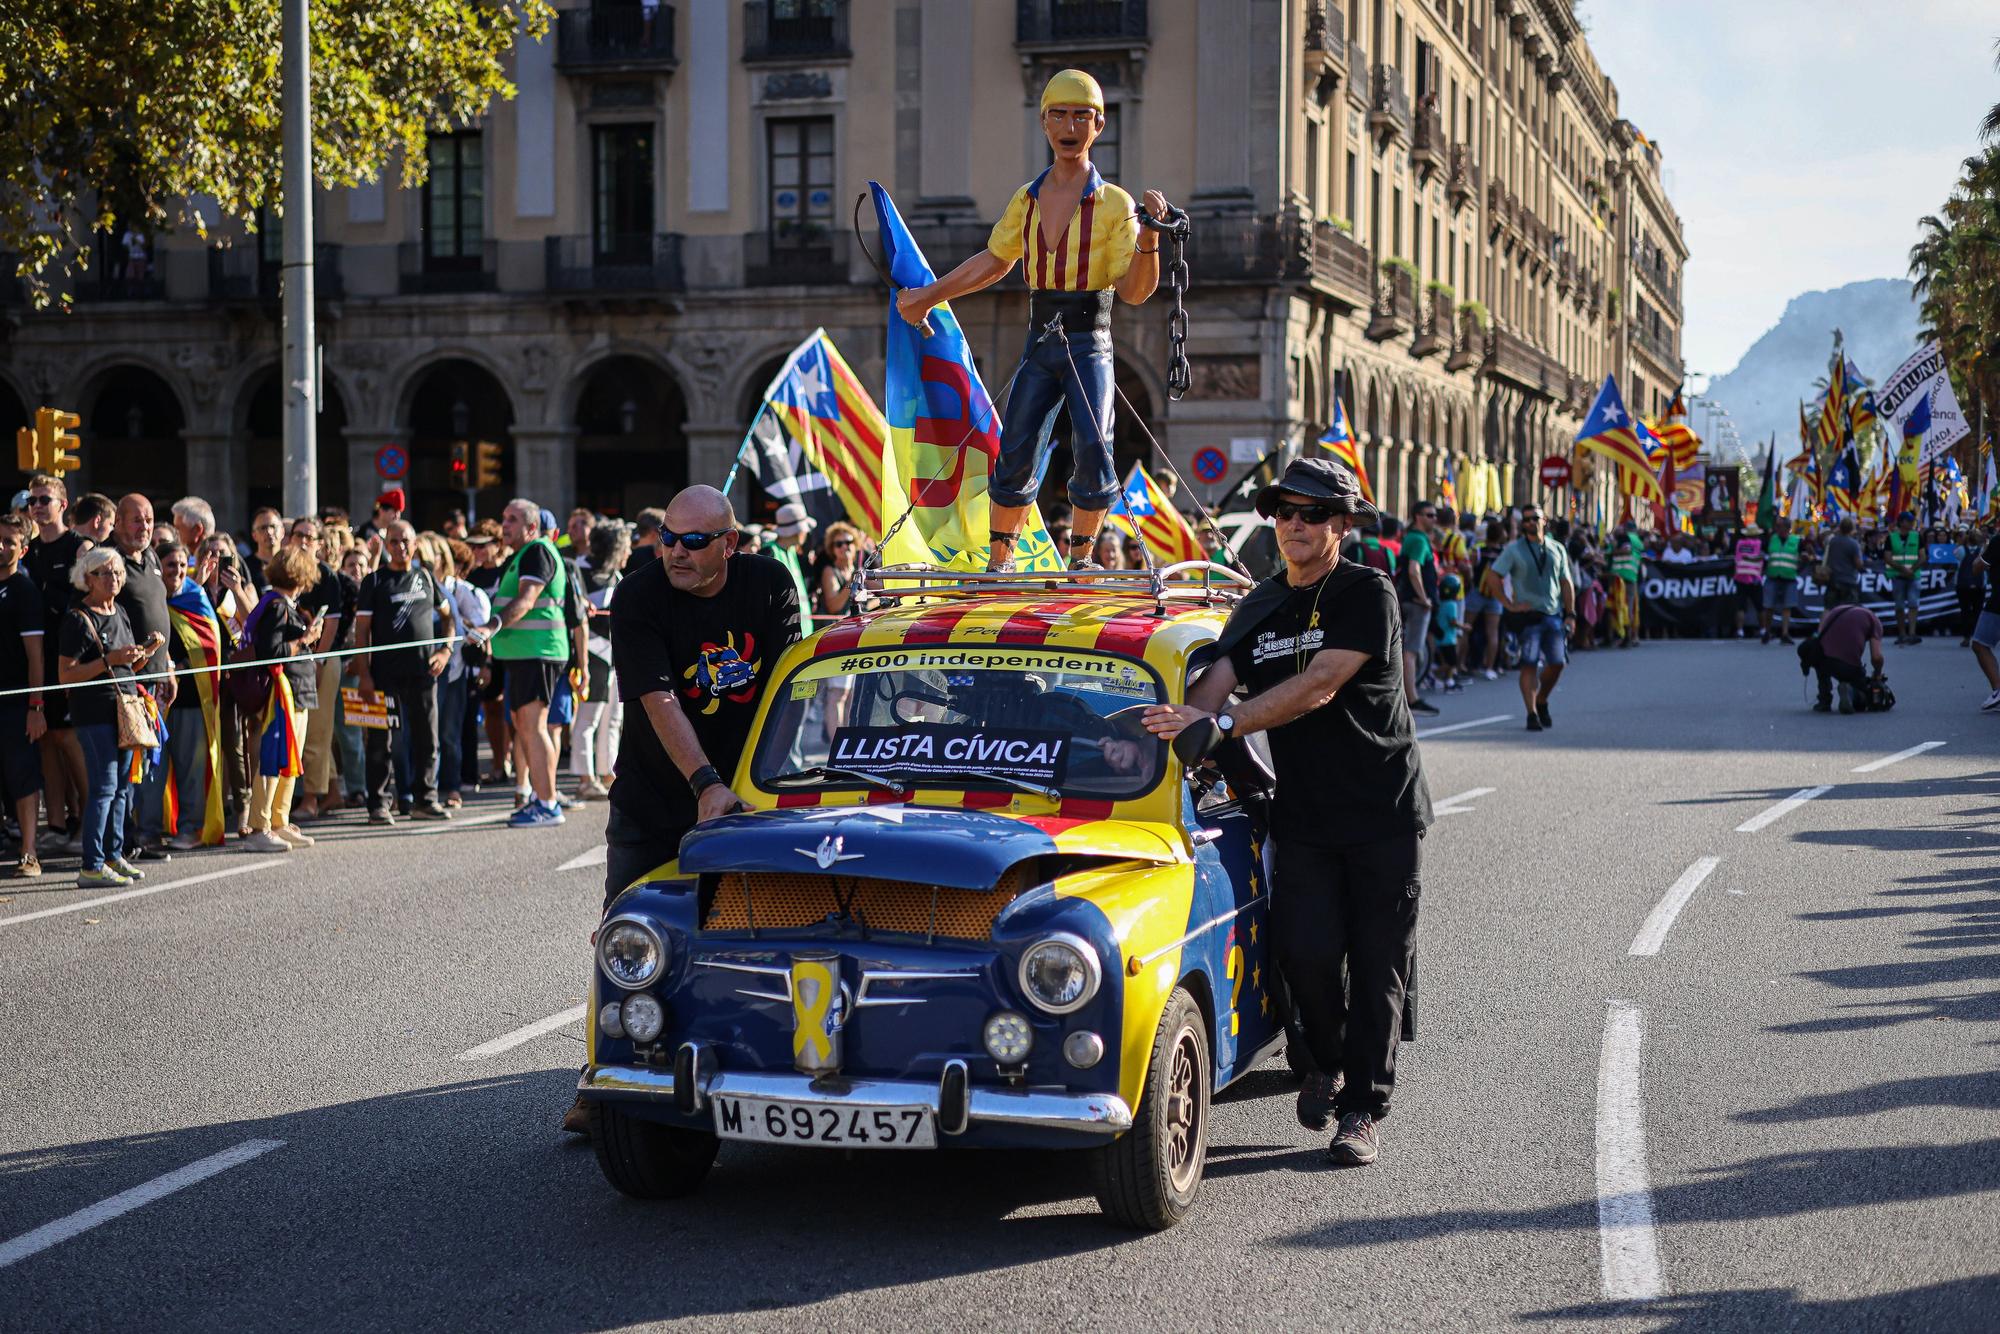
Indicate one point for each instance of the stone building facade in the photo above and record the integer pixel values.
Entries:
(1430, 207)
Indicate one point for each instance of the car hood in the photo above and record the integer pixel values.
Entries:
(959, 848)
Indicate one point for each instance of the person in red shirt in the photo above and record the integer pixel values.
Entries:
(1834, 654)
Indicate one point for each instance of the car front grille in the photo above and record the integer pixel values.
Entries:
(784, 899)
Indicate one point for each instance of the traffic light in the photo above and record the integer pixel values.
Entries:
(461, 474)
(489, 465)
(47, 446)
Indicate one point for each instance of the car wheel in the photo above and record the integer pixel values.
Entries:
(647, 1160)
(1149, 1176)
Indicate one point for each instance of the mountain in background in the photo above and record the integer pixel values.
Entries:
(1877, 318)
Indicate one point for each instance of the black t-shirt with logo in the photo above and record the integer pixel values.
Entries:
(1348, 771)
(86, 636)
(403, 607)
(22, 630)
(715, 653)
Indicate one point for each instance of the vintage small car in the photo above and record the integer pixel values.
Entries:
(976, 903)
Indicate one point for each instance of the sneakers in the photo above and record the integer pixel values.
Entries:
(263, 840)
(154, 852)
(185, 842)
(102, 876)
(1846, 698)
(380, 815)
(590, 790)
(27, 869)
(1542, 715)
(1488, 674)
(292, 835)
(1423, 706)
(124, 868)
(1316, 1099)
(429, 810)
(1824, 706)
(1534, 722)
(1992, 703)
(1358, 1143)
(534, 815)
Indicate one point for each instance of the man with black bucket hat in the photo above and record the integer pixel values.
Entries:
(1318, 651)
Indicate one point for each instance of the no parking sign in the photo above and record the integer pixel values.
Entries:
(392, 463)
(1209, 464)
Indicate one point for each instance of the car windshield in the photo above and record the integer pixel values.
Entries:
(1013, 719)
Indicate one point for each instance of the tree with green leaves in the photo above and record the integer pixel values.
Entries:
(1955, 266)
(115, 113)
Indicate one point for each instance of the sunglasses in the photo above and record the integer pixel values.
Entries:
(36, 502)
(692, 541)
(1313, 514)
(842, 542)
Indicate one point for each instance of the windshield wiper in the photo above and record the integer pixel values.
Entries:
(819, 771)
(1038, 789)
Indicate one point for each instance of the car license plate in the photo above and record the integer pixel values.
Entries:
(781, 1121)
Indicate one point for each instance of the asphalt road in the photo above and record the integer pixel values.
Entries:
(1787, 1116)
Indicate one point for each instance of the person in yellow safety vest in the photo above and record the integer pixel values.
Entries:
(1906, 562)
(1781, 580)
(1628, 551)
(531, 649)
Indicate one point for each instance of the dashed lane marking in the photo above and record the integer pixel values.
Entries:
(1456, 805)
(1661, 920)
(1460, 727)
(1899, 756)
(526, 1033)
(54, 1234)
(1783, 808)
(241, 868)
(595, 857)
(1628, 1244)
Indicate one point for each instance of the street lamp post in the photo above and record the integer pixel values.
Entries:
(300, 346)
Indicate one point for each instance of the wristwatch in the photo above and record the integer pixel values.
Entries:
(1225, 724)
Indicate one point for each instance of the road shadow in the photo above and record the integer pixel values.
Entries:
(1962, 1304)
(462, 1206)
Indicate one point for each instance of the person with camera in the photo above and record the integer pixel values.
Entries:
(1833, 654)
(1319, 650)
(1539, 612)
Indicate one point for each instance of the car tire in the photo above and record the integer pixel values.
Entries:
(647, 1160)
(1148, 1177)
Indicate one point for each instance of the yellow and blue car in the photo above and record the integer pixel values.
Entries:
(975, 903)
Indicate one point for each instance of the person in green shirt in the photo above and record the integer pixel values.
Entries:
(531, 649)
(1416, 591)
(1781, 580)
(1628, 553)
(792, 528)
(1906, 562)
(1540, 597)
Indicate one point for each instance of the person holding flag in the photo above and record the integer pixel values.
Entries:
(192, 793)
(1144, 510)
(1076, 236)
(1339, 442)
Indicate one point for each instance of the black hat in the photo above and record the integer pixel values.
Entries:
(1317, 479)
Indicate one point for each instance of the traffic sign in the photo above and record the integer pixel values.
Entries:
(1555, 471)
(392, 463)
(1210, 463)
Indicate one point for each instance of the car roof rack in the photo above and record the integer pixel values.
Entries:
(1190, 581)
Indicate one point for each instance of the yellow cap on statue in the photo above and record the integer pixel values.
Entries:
(1073, 88)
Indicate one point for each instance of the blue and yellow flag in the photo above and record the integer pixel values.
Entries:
(1142, 510)
(1612, 431)
(944, 431)
(1861, 412)
(1339, 442)
(1448, 486)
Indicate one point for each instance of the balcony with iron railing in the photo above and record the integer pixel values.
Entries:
(243, 272)
(1469, 349)
(1326, 47)
(1359, 87)
(1514, 359)
(1433, 324)
(812, 256)
(1658, 347)
(1461, 182)
(1080, 23)
(777, 30)
(614, 38)
(1499, 207)
(1428, 150)
(1388, 105)
(1342, 267)
(1395, 309)
(612, 265)
(473, 267)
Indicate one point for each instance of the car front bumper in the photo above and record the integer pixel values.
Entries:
(1004, 1110)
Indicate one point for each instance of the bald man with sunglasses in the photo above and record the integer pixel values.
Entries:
(1318, 650)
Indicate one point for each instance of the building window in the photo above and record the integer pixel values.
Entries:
(1353, 184)
(1396, 224)
(800, 170)
(1312, 168)
(1375, 213)
(1105, 154)
(622, 230)
(1417, 241)
(455, 202)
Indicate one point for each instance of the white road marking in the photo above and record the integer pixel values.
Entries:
(241, 868)
(508, 1041)
(1661, 920)
(1454, 805)
(54, 1234)
(595, 857)
(1888, 760)
(1628, 1249)
(467, 822)
(1460, 727)
(1782, 809)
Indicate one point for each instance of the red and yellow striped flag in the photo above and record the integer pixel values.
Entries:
(1142, 510)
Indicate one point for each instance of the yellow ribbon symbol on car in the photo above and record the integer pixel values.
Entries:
(814, 989)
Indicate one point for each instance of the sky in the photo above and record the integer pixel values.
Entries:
(1802, 141)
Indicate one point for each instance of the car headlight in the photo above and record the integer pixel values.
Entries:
(1008, 1038)
(1060, 974)
(631, 953)
(644, 1018)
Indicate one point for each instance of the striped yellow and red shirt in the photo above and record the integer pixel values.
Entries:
(1093, 251)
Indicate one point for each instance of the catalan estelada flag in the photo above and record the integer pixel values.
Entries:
(1833, 412)
(1142, 510)
(199, 631)
(1339, 442)
(1861, 413)
(1843, 481)
(944, 432)
(1675, 433)
(1448, 486)
(1808, 442)
(1609, 430)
